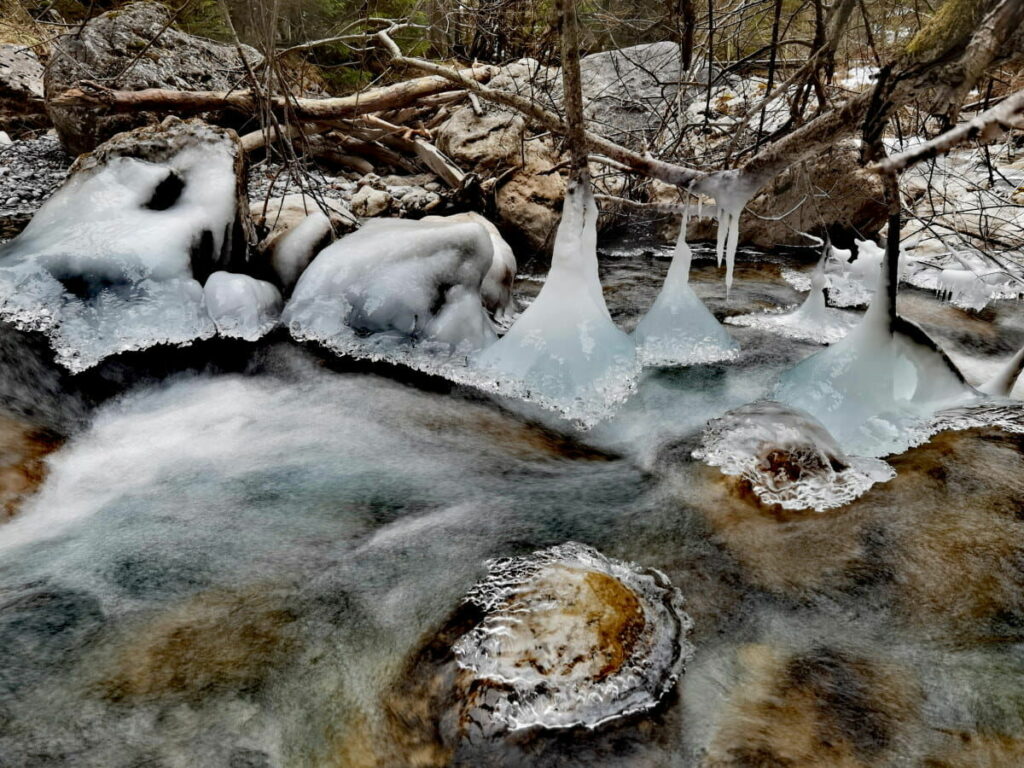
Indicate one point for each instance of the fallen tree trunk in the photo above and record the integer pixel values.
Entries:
(90, 94)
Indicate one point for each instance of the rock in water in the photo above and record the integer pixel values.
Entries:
(564, 352)
(132, 48)
(110, 263)
(397, 290)
(571, 638)
(788, 457)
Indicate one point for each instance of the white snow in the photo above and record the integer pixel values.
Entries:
(397, 290)
(496, 289)
(564, 352)
(295, 249)
(788, 457)
(241, 306)
(102, 273)
(678, 329)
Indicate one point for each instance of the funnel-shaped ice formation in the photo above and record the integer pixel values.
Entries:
(564, 352)
(872, 389)
(106, 265)
(678, 329)
(242, 307)
(397, 290)
(811, 321)
(788, 457)
(571, 638)
(850, 282)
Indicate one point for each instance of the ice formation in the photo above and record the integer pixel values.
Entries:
(296, 248)
(564, 352)
(1001, 385)
(397, 290)
(850, 282)
(678, 329)
(788, 457)
(572, 638)
(496, 289)
(811, 321)
(872, 389)
(105, 266)
(241, 306)
(731, 194)
(967, 279)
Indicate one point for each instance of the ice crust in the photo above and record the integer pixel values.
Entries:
(678, 329)
(564, 352)
(873, 389)
(101, 271)
(241, 306)
(524, 619)
(966, 279)
(397, 290)
(788, 457)
(811, 321)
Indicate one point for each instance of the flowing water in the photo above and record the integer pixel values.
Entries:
(261, 562)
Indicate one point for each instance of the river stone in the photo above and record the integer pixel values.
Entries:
(570, 638)
(21, 90)
(130, 49)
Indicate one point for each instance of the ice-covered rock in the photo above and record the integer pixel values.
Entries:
(496, 290)
(397, 290)
(873, 389)
(571, 638)
(967, 279)
(788, 457)
(811, 321)
(241, 306)
(850, 281)
(564, 352)
(678, 329)
(110, 263)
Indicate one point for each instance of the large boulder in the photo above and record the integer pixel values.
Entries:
(134, 48)
(21, 90)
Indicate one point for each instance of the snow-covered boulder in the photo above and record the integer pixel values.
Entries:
(296, 230)
(241, 306)
(496, 290)
(111, 262)
(395, 285)
(136, 45)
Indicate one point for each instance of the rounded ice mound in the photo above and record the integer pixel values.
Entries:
(241, 306)
(571, 638)
(397, 290)
(788, 457)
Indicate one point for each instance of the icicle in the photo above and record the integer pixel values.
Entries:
(564, 352)
(731, 193)
(1001, 385)
(678, 329)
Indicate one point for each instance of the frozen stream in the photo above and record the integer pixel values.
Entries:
(252, 568)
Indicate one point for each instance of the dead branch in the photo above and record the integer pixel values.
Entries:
(986, 127)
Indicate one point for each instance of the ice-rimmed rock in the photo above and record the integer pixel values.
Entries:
(788, 457)
(241, 306)
(397, 290)
(571, 638)
(110, 263)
